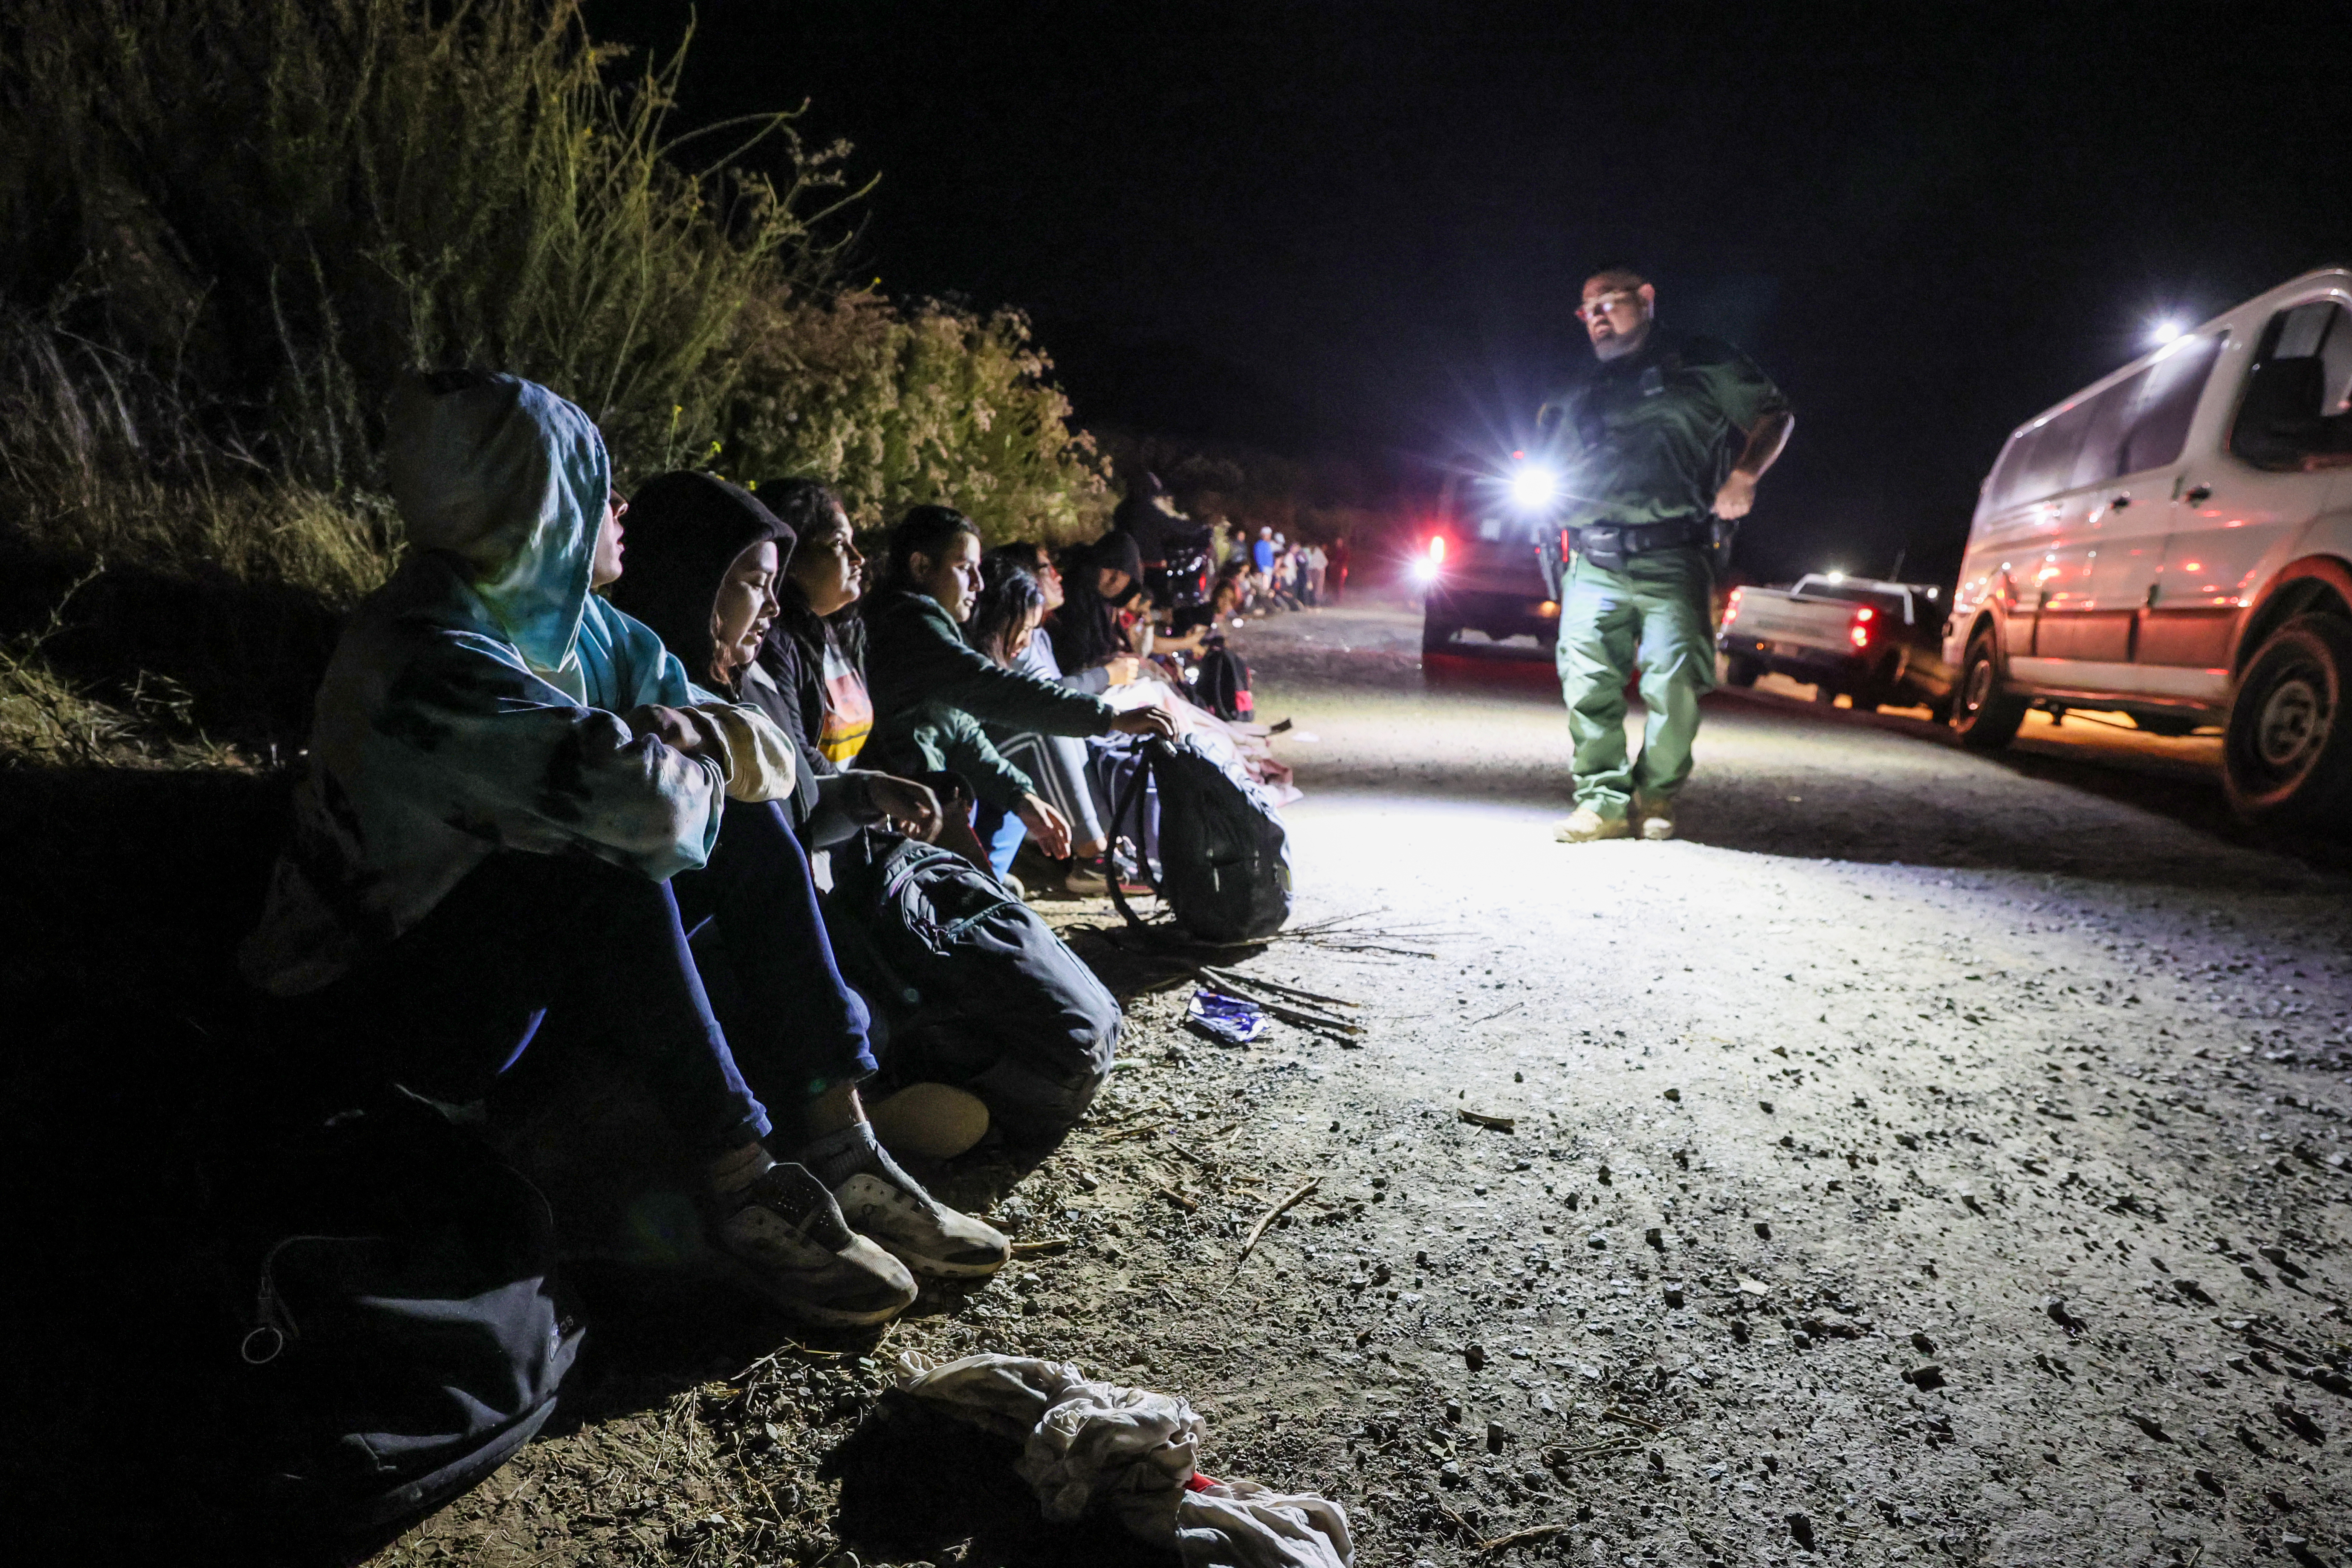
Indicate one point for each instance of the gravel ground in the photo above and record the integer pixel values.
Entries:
(1928, 1157)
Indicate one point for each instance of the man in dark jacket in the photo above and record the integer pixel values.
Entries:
(1662, 443)
(1160, 532)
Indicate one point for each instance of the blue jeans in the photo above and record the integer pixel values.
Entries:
(1001, 833)
(795, 1026)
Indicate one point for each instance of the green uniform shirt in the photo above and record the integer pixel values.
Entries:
(1653, 435)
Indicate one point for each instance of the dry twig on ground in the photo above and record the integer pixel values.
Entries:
(1270, 1216)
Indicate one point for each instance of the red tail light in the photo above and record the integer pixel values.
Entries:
(1858, 633)
(1731, 607)
(1437, 549)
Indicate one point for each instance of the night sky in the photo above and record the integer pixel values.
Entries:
(1358, 229)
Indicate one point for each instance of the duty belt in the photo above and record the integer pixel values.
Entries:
(1605, 541)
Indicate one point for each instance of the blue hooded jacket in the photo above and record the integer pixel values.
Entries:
(474, 701)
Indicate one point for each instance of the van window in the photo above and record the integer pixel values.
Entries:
(2293, 412)
(2321, 330)
(2110, 424)
(2158, 428)
(2038, 462)
(2051, 467)
(2139, 423)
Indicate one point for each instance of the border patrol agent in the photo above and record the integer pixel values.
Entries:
(1663, 445)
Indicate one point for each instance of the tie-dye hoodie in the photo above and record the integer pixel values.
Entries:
(474, 702)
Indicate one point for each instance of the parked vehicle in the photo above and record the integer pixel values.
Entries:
(2175, 542)
(1481, 560)
(1880, 644)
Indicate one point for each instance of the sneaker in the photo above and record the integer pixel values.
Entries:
(1586, 825)
(788, 1241)
(930, 1121)
(1654, 818)
(887, 1203)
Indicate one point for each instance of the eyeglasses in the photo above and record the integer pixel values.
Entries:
(1601, 304)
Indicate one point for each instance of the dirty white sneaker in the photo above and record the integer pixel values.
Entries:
(882, 1201)
(1586, 825)
(785, 1238)
(1653, 819)
(930, 1121)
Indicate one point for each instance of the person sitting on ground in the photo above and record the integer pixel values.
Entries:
(704, 575)
(708, 576)
(507, 779)
(1057, 763)
(1087, 631)
(926, 679)
(1005, 614)
(1200, 625)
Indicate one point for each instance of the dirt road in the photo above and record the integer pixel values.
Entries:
(1926, 1158)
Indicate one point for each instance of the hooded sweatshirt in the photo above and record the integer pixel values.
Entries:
(686, 531)
(474, 702)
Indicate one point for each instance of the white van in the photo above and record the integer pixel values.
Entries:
(2175, 542)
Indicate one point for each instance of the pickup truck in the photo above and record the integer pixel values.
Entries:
(1880, 644)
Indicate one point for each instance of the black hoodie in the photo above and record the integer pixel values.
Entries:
(683, 532)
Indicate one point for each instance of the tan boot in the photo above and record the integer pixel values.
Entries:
(1586, 825)
(1653, 817)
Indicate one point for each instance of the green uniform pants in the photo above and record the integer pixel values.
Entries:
(1653, 614)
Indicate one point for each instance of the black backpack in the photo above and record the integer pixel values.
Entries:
(1222, 685)
(395, 1335)
(1225, 855)
(969, 985)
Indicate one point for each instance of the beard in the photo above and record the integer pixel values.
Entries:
(1617, 345)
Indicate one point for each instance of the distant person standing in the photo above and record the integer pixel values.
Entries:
(1663, 445)
(1335, 582)
(1262, 564)
(1149, 516)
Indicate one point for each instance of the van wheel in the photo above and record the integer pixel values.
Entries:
(2286, 754)
(1984, 714)
(1436, 636)
(1738, 670)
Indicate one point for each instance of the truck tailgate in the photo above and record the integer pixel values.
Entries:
(1769, 616)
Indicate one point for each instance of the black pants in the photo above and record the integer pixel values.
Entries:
(581, 955)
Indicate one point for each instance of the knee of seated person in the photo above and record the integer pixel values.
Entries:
(1029, 1106)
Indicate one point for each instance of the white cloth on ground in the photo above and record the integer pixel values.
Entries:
(1134, 1451)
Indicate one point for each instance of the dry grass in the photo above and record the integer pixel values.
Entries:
(45, 718)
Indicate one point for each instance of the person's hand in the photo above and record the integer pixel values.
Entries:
(1737, 499)
(911, 806)
(1122, 670)
(682, 729)
(1154, 721)
(1049, 828)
